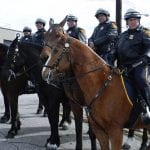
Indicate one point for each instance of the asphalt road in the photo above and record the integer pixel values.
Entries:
(35, 129)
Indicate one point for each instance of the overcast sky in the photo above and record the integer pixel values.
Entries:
(16, 14)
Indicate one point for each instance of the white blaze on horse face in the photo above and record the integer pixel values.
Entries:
(46, 71)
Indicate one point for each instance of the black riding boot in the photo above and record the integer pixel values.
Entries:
(145, 116)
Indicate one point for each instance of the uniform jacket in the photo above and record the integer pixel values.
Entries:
(26, 38)
(104, 37)
(133, 46)
(78, 33)
(38, 37)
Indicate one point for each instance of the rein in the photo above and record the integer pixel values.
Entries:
(73, 77)
(18, 74)
(101, 89)
(27, 70)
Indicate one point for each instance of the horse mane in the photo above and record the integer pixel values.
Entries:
(83, 47)
(29, 46)
(14, 43)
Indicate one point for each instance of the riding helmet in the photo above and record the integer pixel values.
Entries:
(39, 20)
(131, 13)
(102, 11)
(72, 18)
(27, 29)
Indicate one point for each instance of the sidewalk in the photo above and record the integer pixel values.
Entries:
(35, 129)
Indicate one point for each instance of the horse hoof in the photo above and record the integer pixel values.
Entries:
(143, 147)
(45, 114)
(39, 111)
(65, 126)
(11, 134)
(126, 146)
(4, 119)
(51, 146)
(19, 125)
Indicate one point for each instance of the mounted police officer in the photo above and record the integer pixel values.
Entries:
(74, 31)
(133, 55)
(27, 37)
(38, 36)
(104, 36)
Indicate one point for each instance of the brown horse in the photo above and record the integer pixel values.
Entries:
(76, 100)
(105, 96)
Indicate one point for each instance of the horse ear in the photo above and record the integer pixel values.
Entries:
(51, 22)
(62, 23)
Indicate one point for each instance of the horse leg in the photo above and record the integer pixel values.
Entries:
(53, 116)
(78, 117)
(66, 117)
(92, 138)
(116, 141)
(40, 105)
(128, 142)
(144, 140)
(15, 122)
(6, 115)
(102, 137)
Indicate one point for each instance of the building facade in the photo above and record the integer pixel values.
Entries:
(8, 35)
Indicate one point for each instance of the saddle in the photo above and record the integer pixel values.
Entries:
(136, 99)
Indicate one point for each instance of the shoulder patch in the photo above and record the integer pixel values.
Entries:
(82, 31)
(147, 32)
(113, 24)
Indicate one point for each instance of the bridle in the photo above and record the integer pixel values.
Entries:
(65, 50)
(23, 70)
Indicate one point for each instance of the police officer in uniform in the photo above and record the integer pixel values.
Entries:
(27, 35)
(38, 37)
(104, 36)
(133, 54)
(74, 31)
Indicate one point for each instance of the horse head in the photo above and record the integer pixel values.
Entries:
(55, 47)
(21, 55)
(28, 56)
(9, 60)
(54, 34)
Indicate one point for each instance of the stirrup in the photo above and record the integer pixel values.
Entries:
(148, 111)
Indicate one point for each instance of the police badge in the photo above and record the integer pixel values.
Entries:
(101, 28)
(131, 36)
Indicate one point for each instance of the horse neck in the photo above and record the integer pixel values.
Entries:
(34, 63)
(85, 59)
(89, 69)
(36, 70)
